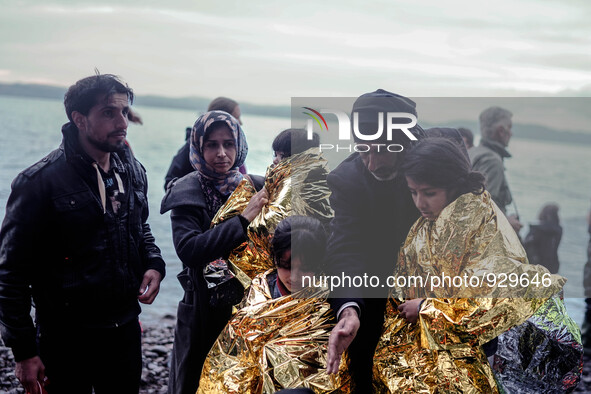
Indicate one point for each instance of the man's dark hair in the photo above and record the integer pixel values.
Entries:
(439, 162)
(293, 141)
(468, 135)
(306, 238)
(222, 104)
(87, 92)
(449, 133)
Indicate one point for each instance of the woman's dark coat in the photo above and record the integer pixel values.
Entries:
(198, 324)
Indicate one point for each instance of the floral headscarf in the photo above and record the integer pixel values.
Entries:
(224, 184)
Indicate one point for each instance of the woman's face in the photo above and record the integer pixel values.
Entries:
(429, 200)
(291, 277)
(219, 149)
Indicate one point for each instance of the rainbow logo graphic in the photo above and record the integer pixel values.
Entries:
(316, 117)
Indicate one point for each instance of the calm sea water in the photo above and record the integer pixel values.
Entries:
(539, 172)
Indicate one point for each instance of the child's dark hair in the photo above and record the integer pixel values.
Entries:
(293, 141)
(87, 92)
(439, 162)
(306, 238)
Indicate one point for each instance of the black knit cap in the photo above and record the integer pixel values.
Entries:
(369, 105)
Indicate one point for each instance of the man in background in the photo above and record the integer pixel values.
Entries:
(488, 156)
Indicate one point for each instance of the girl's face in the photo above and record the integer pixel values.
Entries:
(278, 156)
(291, 277)
(219, 150)
(429, 200)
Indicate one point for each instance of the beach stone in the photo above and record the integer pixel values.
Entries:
(145, 377)
(159, 349)
(156, 348)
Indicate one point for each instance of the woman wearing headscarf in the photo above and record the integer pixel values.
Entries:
(181, 165)
(217, 149)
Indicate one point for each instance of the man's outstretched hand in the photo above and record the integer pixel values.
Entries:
(341, 337)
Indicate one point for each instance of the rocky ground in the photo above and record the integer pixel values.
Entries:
(157, 345)
(156, 349)
(585, 383)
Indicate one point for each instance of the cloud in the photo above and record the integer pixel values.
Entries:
(267, 51)
(61, 10)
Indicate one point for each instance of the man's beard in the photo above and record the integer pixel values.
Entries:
(385, 176)
(107, 147)
(384, 179)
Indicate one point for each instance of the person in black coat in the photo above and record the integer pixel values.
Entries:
(218, 148)
(541, 243)
(373, 214)
(76, 238)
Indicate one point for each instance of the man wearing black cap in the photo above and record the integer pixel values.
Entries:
(373, 214)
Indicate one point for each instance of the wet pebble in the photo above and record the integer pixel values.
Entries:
(157, 342)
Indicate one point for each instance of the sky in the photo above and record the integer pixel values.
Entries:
(266, 52)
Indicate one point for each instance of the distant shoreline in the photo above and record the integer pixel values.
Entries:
(191, 103)
(199, 104)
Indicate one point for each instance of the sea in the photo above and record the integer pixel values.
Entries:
(539, 172)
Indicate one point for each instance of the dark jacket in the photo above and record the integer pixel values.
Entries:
(198, 324)
(372, 219)
(541, 245)
(180, 165)
(195, 246)
(84, 267)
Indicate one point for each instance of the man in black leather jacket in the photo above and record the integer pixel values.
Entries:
(75, 238)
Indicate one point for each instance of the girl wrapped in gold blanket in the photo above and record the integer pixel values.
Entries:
(471, 281)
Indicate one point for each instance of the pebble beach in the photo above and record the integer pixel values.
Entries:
(156, 348)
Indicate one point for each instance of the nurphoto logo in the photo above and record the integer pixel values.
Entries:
(344, 129)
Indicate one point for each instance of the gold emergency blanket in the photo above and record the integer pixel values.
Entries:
(296, 186)
(442, 352)
(271, 344)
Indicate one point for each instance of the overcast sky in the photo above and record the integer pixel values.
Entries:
(268, 51)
